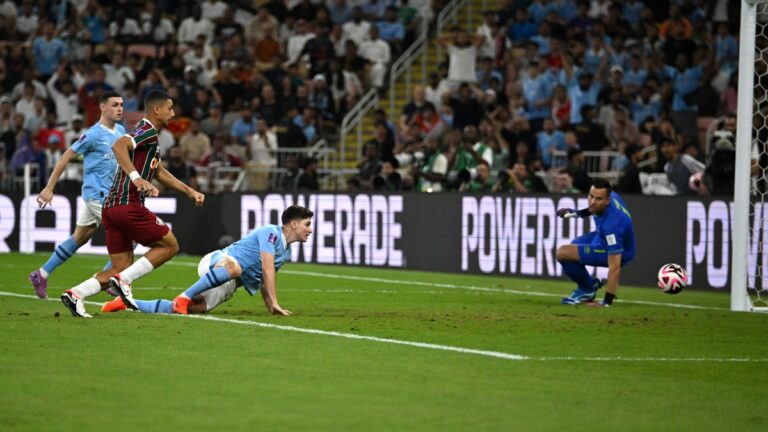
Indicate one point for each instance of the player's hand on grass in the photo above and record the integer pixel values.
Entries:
(44, 198)
(567, 213)
(277, 310)
(197, 197)
(146, 187)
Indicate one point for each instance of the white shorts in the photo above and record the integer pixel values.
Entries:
(90, 215)
(217, 295)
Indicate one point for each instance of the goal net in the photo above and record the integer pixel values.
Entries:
(749, 260)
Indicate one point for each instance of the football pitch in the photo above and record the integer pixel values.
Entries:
(372, 349)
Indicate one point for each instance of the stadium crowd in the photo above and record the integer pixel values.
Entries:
(522, 103)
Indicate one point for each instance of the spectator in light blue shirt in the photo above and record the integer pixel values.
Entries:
(549, 140)
(537, 91)
(566, 9)
(635, 75)
(538, 10)
(633, 11)
(726, 48)
(48, 52)
(582, 92)
(390, 29)
(374, 9)
(685, 81)
(95, 22)
(340, 12)
(244, 127)
(646, 104)
(542, 39)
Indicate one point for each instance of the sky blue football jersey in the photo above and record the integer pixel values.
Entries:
(99, 163)
(247, 251)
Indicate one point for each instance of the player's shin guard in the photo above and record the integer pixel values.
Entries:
(213, 278)
(578, 273)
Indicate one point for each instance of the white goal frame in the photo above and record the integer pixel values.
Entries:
(740, 297)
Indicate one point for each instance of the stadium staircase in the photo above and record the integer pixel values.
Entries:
(411, 68)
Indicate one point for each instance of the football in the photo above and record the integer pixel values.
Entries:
(672, 278)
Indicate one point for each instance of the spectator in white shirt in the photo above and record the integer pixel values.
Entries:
(119, 74)
(377, 52)
(194, 26)
(297, 41)
(213, 9)
(124, 28)
(26, 105)
(462, 55)
(158, 29)
(74, 132)
(358, 29)
(255, 28)
(263, 145)
(26, 22)
(65, 100)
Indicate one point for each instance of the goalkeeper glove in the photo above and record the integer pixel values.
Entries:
(567, 213)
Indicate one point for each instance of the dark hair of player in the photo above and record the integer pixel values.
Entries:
(296, 212)
(599, 183)
(155, 97)
(106, 95)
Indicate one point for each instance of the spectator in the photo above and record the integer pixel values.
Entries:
(123, 29)
(465, 106)
(391, 30)
(194, 144)
(158, 29)
(218, 157)
(462, 55)
(358, 29)
(296, 43)
(588, 133)
(435, 168)
(226, 26)
(562, 183)
(213, 10)
(645, 105)
(684, 81)
(26, 105)
(719, 174)
(118, 74)
(48, 52)
(490, 32)
(583, 91)
(415, 106)
(75, 131)
(194, 26)
(521, 29)
(242, 129)
(622, 129)
(213, 124)
(263, 145)
(537, 90)
(49, 130)
(679, 167)
(340, 12)
(374, 10)
(629, 180)
(550, 140)
(524, 180)
(27, 21)
(289, 179)
(177, 165)
(481, 181)
(308, 179)
(577, 169)
(377, 53)
(254, 31)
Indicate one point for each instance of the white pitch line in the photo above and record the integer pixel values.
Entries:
(461, 350)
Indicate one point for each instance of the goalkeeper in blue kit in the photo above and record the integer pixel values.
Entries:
(611, 245)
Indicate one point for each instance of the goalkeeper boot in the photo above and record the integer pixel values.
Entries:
(123, 290)
(115, 305)
(582, 296)
(74, 304)
(40, 283)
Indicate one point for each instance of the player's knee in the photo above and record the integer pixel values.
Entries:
(563, 253)
(233, 268)
(171, 245)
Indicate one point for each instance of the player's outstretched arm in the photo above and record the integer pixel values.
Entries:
(120, 148)
(170, 181)
(46, 195)
(268, 292)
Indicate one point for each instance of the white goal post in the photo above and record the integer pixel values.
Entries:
(749, 291)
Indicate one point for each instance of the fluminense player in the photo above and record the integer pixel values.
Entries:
(125, 218)
(611, 245)
(99, 165)
(251, 262)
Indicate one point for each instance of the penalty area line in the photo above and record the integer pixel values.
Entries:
(431, 346)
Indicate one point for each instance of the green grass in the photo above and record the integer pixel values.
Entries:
(128, 371)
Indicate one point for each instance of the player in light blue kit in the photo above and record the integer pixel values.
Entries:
(250, 262)
(99, 167)
(612, 245)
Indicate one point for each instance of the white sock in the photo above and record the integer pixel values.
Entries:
(43, 273)
(138, 269)
(86, 289)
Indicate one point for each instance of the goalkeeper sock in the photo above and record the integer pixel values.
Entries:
(62, 253)
(579, 274)
(214, 278)
(87, 288)
(154, 306)
(141, 267)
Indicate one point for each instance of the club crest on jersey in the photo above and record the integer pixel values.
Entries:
(272, 238)
(155, 162)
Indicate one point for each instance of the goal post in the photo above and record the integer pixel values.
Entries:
(748, 292)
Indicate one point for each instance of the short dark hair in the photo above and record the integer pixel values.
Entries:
(600, 183)
(295, 212)
(155, 97)
(106, 95)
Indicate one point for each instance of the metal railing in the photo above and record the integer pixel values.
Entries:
(353, 120)
(404, 64)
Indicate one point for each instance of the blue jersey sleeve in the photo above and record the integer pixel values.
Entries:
(268, 241)
(81, 146)
(613, 236)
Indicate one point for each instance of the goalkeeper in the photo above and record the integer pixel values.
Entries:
(611, 245)
(251, 262)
